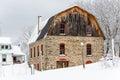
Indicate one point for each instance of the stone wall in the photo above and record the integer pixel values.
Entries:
(73, 50)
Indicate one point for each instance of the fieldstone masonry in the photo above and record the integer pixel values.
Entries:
(73, 50)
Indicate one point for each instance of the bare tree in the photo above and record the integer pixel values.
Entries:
(107, 13)
(27, 32)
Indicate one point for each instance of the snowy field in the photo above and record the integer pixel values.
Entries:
(95, 71)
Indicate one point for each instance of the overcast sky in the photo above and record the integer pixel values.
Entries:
(17, 14)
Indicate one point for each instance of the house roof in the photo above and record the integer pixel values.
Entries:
(6, 51)
(5, 40)
(17, 51)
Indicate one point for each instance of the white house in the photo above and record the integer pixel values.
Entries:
(10, 54)
(18, 55)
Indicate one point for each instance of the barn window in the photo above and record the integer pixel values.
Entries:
(38, 66)
(42, 49)
(62, 49)
(89, 49)
(38, 52)
(34, 52)
(31, 52)
(62, 29)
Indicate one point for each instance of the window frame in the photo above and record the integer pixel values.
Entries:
(38, 51)
(89, 49)
(4, 57)
(62, 49)
(31, 52)
(62, 28)
(34, 52)
(42, 49)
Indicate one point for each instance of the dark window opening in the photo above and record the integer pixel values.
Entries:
(88, 49)
(4, 59)
(38, 50)
(38, 67)
(31, 52)
(34, 52)
(42, 49)
(2, 47)
(6, 47)
(62, 49)
(14, 59)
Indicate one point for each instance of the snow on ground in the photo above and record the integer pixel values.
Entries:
(94, 71)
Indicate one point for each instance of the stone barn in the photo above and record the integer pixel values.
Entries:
(69, 38)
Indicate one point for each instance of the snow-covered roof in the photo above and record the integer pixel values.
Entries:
(6, 51)
(17, 51)
(5, 40)
(35, 34)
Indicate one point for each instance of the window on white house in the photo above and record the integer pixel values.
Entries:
(3, 57)
(6, 46)
(2, 46)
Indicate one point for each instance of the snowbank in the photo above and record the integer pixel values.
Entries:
(93, 71)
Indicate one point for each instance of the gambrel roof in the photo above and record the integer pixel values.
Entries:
(48, 27)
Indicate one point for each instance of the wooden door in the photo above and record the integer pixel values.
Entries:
(62, 64)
